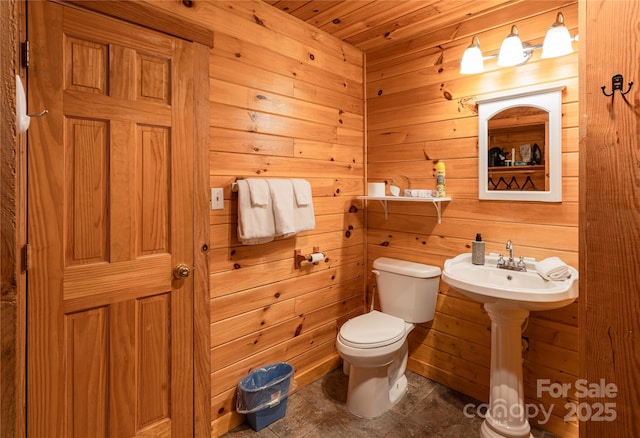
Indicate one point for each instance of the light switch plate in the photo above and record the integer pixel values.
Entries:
(217, 199)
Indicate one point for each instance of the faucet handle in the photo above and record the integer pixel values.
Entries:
(521, 264)
(501, 261)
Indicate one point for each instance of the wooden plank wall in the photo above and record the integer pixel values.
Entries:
(285, 101)
(610, 218)
(421, 110)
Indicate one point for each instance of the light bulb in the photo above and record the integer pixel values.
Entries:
(472, 61)
(557, 41)
(511, 50)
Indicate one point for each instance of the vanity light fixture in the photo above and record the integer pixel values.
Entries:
(513, 51)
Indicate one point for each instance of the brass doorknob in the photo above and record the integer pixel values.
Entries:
(181, 271)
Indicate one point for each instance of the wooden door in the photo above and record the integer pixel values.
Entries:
(110, 183)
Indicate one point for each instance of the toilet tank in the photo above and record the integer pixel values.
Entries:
(407, 290)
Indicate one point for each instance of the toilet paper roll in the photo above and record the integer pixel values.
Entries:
(316, 257)
(375, 189)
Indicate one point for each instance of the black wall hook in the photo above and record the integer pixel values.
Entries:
(616, 84)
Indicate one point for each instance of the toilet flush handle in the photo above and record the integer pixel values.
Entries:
(375, 271)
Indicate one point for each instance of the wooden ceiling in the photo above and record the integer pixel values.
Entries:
(373, 24)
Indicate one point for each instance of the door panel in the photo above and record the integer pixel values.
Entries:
(110, 213)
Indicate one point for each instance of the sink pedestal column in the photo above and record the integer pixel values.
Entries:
(507, 416)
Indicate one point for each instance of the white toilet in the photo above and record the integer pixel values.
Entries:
(374, 345)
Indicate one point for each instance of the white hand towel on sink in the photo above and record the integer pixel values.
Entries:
(255, 223)
(553, 268)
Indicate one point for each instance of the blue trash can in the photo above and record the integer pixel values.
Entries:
(263, 394)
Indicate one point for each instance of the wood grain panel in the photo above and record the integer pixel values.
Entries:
(151, 17)
(258, 100)
(563, 238)
(456, 346)
(328, 18)
(460, 88)
(144, 39)
(239, 256)
(87, 355)
(122, 341)
(424, 150)
(86, 183)
(231, 352)
(441, 130)
(452, 380)
(255, 121)
(266, 295)
(154, 73)
(315, 356)
(123, 177)
(269, 316)
(553, 333)
(252, 276)
(328, 151)
(308, 84)
(119, 86)
(374, 25)
(153, 381)
(231, 140)
(82, 282)
(609, 256)
(240, 325)
(117, 109)
(83, 54)
(278, 167)
(462, 369)
(154, 171)
(302, 43)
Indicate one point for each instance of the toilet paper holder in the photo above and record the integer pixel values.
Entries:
(314, 258)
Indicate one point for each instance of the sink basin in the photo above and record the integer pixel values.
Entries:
(525, 290)
(508, 297)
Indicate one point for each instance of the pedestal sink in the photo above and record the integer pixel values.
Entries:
(508, 297)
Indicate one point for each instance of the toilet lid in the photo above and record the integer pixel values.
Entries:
(371, 330)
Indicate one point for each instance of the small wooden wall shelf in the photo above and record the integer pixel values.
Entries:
(384, 199)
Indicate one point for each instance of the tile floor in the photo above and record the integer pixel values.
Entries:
(427, 410)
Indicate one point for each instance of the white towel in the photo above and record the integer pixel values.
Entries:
(283, 203)
(553, 268)
(302, 190)
(255, 223)
(259, 192)
(304, 216)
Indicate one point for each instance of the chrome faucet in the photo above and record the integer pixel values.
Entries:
(510, 249)
(511, 263)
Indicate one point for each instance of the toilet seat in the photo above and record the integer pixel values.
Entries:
(372, 330)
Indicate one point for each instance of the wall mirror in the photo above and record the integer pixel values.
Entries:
(520, 145)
